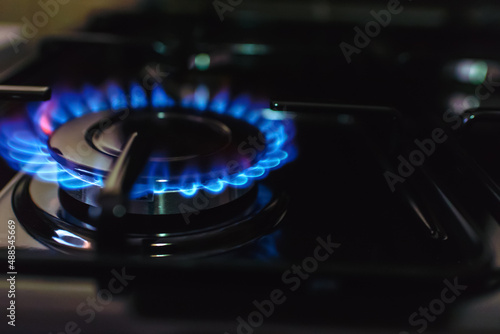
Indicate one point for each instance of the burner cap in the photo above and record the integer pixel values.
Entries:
(191, 146)
(178, 137)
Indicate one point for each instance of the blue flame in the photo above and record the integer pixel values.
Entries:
(220, 101)
(72, 105)
(239, 106)
(201, 97)
(23, 141)
(138, 97)
(95, 99)
(116, 96)
(160, 99)
(24, 151)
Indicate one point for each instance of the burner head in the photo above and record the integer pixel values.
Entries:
(188, 149)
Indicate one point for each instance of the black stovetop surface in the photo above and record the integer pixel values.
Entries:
(393, 248)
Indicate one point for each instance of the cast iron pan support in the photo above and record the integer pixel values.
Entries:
(416, 201)
(115, 194)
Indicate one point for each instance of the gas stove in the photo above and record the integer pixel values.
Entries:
(192, 175)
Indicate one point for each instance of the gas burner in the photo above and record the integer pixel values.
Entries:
(197, 161)
(198, 143)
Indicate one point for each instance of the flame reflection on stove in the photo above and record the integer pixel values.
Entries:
(67, 238)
